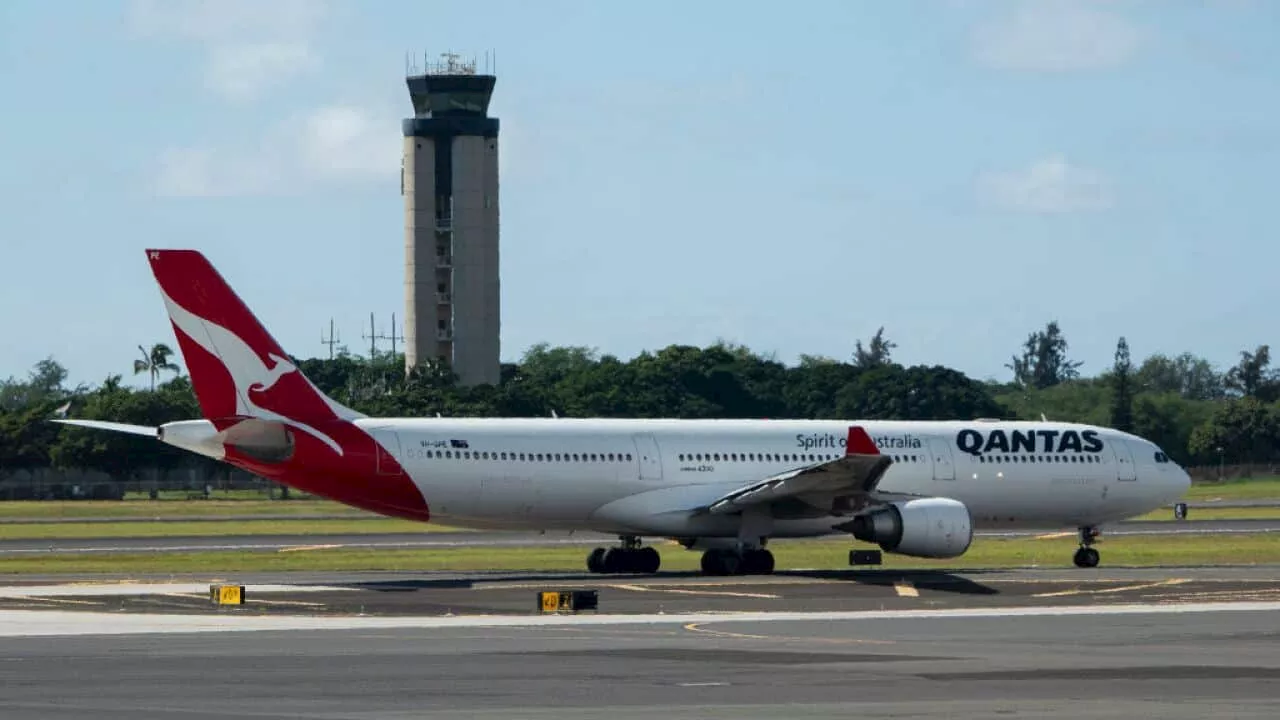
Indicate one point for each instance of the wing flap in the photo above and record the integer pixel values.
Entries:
(845, 483)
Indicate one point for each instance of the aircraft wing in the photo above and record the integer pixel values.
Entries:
(836, 487)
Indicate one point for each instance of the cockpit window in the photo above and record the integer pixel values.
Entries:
(1161, 457)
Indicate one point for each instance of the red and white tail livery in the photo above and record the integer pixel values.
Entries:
(723, 486)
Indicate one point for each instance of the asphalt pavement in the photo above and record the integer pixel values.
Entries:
(1153, 663)
(435, 540)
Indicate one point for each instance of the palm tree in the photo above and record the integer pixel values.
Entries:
(155, 361)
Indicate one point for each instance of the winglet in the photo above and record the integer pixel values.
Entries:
(860, 443)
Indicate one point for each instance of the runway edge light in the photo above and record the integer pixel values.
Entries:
(567, 601)
(226, 594)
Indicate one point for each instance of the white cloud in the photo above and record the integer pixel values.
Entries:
(1051, 185)
(331, 145)
(250, 45)
(222, 20)
(209, 172)
(242, 72)
(348, 141)
(1056, 36)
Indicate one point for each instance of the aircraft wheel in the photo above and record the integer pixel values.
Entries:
(616, 561)
(711, 563)
(1086, 557)
(647, 560)
(722, 562)
(757, 562)
(595, 561)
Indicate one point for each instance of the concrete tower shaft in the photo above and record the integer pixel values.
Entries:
(450, 188)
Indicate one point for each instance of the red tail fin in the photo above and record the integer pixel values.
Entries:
(237, 368)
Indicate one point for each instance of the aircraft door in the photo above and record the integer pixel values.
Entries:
(1125, 469)
(648, 456)
(387, 448)
(944, 467)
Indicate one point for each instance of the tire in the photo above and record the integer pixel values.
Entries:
(595, 560)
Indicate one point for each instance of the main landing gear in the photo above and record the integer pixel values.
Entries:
(630, 558)
(748, 561)
(1087, 556)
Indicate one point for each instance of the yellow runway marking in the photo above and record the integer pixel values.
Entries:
(56, 600)
(260, 601)
(906, 589)
(1051, 536)
(677, 591)
(253, 601)
(1108, 591)
(296, 548)
(694, 627)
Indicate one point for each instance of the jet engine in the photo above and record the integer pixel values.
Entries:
(929, 527)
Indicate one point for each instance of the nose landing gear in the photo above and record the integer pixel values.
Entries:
(1087, 556)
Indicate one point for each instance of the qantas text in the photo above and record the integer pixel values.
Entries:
(975, 443)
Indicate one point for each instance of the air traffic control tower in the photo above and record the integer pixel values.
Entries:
(450, 185)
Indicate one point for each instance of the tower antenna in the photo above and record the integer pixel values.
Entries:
(333, 338)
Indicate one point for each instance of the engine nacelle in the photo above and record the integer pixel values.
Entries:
(929, 527)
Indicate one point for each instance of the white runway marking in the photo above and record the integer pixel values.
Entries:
(117, 589)
(35, 623)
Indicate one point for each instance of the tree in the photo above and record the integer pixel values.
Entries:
(1044, 360)
(876, 354)
(1253, 377)
(1243, 428)
(1122, 389)
(154, 362)
(1194, 378)
(44, 383)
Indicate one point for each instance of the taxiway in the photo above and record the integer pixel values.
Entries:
(445, 539)
(1047, 645)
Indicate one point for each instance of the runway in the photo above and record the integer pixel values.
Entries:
(1102, 657)
(452, 594)
(430, 540)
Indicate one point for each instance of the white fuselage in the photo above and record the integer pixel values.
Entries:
(642, 477)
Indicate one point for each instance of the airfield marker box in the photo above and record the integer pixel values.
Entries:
(226, 594)
(567, 601)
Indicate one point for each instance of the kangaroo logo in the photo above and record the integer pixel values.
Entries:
(249, 373)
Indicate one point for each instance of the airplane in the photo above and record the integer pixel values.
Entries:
(725, 487)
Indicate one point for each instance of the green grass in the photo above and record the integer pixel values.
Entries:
(1257, 489)
(1055, 552)
(372, 525)
(170, 508)
(67, 531)
(1212, 513)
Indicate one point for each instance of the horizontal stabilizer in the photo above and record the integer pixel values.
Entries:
(112, 426)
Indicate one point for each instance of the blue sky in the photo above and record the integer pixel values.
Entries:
(787, 176)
